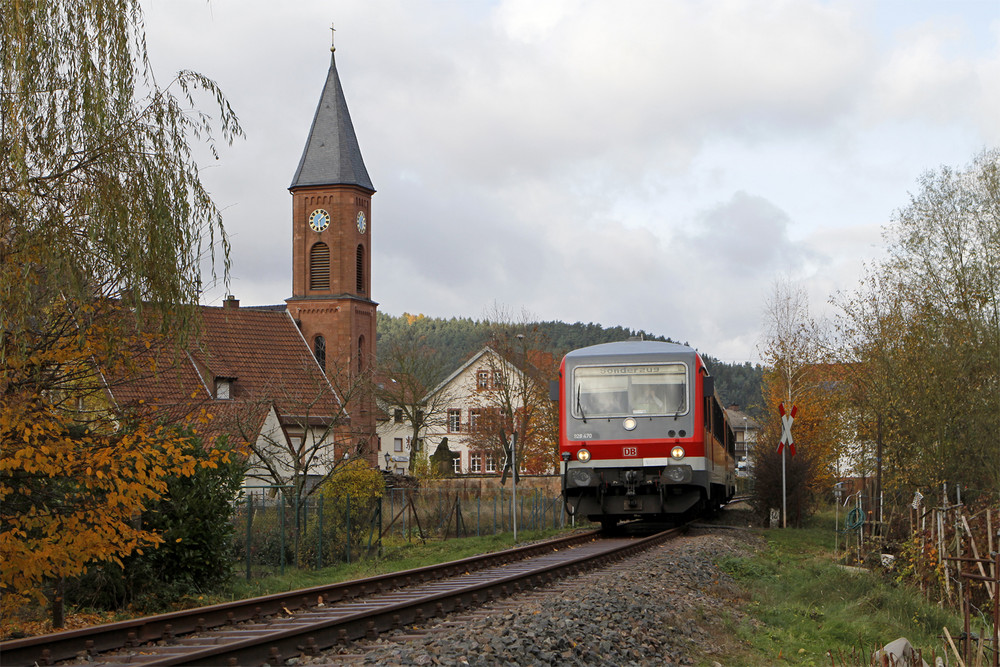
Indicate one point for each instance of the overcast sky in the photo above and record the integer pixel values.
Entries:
(653, 164)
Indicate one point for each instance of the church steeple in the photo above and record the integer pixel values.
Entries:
(332, 155)
(331, 256)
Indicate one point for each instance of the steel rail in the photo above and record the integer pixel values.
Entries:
(51, 648)
(273, 647)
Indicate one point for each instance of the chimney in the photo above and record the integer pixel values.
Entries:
(231, 302)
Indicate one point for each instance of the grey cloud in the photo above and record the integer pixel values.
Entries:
(744, 234)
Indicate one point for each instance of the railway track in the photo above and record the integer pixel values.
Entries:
(274, 628)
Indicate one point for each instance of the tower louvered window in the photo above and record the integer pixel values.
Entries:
(319, 266)
(361, 269)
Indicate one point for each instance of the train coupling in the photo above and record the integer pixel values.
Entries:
(631, 481)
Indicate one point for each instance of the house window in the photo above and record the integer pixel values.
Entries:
(319, 349)
(474, 420)
(397, 415)
(456, 464)
(319, 266)
(223, 388)
(482, 380)
(397, 444)
(454, 420)
(476, 463)
(491, 463)
(497, 379)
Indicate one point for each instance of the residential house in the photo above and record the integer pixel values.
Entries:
(248, 375)
(472, 396)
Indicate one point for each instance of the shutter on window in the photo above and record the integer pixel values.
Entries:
(319, 267)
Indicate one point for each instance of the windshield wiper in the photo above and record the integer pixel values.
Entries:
(579, 406)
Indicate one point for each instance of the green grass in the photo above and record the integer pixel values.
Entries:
(806, 605)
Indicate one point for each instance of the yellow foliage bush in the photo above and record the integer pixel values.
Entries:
(356, 479)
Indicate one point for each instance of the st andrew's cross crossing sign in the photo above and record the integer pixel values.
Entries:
(786, 428)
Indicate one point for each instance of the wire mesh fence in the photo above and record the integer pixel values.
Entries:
(274, 532)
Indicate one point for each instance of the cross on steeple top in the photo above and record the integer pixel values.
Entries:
(332, 31)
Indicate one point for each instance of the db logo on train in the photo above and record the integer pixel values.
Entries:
(630, 451)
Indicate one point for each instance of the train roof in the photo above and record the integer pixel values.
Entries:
(630, 348)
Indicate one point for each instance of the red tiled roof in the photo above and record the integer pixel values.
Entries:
(260, 351)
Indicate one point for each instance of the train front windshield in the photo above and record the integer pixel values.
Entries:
(617, 391)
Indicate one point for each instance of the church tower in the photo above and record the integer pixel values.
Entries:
(331, 258)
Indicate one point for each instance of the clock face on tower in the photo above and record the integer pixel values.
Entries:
(362, 224)
(319, 220)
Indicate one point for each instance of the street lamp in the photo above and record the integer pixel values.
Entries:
(388, 462)
(746, 447)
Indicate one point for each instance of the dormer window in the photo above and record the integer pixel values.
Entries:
(224, 388)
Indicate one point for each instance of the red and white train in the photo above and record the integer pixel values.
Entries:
(642, 434)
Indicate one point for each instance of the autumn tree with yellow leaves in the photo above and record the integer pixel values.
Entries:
(798, 375)
(104, 224)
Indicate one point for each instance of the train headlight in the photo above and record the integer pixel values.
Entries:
(628, 424)
(583, 455)
(677, 453)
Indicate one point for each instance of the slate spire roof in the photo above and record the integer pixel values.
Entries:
(332, 155)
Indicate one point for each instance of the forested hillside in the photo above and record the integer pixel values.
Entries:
(457, 338)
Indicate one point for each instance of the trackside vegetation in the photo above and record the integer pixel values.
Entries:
(806, 608)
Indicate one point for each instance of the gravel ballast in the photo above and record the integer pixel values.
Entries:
(665, 606)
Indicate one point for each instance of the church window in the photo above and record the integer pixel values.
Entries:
(319, 348)
(361, 269)
(319, 266)
(361, 353)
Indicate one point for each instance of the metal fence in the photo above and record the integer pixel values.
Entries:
(273, 532)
